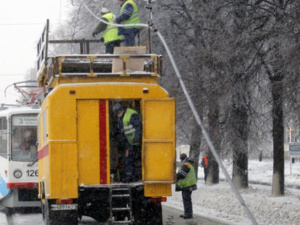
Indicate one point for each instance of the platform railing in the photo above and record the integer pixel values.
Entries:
(106, 65)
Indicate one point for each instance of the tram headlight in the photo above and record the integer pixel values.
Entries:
(18, 174)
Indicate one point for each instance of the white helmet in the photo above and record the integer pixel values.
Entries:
(104, 10)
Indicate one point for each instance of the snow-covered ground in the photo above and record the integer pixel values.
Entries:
(219, 201)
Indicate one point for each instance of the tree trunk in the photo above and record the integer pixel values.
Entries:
(195, 146)
(213, 172)
(278, 137)
(240, 124)
(213, 121)
(240, 169)
(240, 148)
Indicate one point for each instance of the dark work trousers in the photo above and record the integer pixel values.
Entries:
(205, 173)
(132, 160)
(137, 162)
(109, 47)
(187, 202)
(129, 36)
(129, 163)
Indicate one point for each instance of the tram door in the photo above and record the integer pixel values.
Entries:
(93, 146)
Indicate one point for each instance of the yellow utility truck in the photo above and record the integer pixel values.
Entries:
(79, 153)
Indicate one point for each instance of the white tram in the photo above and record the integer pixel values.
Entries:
(18, 157)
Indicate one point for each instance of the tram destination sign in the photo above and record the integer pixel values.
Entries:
(294, 149)
(24, 121)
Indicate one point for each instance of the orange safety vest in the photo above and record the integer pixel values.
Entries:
(205, 161)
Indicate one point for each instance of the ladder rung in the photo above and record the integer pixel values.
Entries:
(124, 195)
(122, 222)
(121, 209)
(120, 189)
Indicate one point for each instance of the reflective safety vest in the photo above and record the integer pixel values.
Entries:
(129, 130)
(205, 159)
(134, 17)
(190, 178)
(111, 32)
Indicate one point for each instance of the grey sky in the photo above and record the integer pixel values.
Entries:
(21, 23)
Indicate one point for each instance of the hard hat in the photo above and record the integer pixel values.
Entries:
(117, 108)
(183, 156)
(104, 10)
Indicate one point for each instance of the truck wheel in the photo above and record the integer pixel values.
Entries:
(71, 218)
(155, 214)
(149, 214)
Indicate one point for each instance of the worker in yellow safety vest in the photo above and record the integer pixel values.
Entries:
(130, 126)
(110, 36)
(128, 15)
(186, 183)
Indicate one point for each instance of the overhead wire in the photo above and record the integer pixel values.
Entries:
(192, 106)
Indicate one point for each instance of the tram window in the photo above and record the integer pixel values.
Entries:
(24, 138)
(3, 137)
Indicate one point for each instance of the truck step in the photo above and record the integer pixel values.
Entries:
(121, 196)
(121, 209)
(120, 189)
(122, 222)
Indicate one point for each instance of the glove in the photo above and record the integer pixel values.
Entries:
(94, 34)
(102, 39)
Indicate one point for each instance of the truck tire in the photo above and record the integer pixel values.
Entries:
(149, 214)
(154, 215)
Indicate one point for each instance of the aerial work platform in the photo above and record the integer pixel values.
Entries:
(126, 64)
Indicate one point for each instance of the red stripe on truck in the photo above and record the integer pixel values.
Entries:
(102, 141)
(43, 152)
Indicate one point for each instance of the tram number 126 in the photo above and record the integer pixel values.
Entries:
(32, 173)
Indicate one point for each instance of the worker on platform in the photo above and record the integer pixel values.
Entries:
(128, 15)
(205, 165)
(186, 183)
(130, 126)
(110, 36)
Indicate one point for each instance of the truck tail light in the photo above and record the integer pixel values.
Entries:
(64, 201)
(159, 199)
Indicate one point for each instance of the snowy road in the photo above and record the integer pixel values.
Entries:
(171, 217)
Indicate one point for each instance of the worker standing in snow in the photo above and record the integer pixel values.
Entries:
(110, 36)
(205, 165)
(186, 183)
(128, 15)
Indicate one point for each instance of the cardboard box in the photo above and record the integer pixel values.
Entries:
(133, 64)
